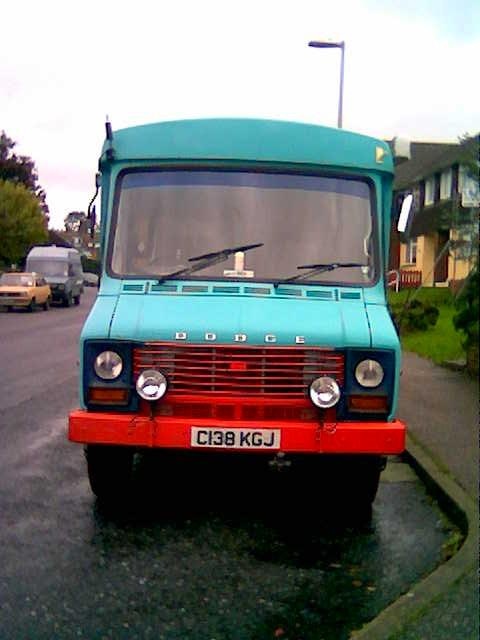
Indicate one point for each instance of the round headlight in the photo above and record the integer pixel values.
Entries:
(108, 365)
(369, 373)
(324, 392)
(151, 385)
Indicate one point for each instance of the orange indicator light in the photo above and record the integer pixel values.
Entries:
(369, 404)
(102, 395)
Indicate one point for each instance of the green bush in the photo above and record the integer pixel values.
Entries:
(466, 319)
(414, 316)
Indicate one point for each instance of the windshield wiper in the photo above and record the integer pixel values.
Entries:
(317, 268)
(208, 259)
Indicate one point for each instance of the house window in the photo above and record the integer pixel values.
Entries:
(446, 185)
(411, 254)
(468, 187)
(429, 191)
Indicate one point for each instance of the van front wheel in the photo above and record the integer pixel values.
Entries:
(76, 299)
(109, 471)
(353, 480)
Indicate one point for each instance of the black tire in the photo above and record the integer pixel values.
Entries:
(76, 300)
(31, 306)
(352, 481)
(360, 479)
(109, 471)
(46, 304)
(9, 309)
(68, 300)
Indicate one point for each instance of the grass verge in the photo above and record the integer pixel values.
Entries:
(440, 342)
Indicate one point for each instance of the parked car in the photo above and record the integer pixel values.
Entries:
(24, 290)
(62, 269)
(90, 279)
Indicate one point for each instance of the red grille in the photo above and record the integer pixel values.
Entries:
(239, 370)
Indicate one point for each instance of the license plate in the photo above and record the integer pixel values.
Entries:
(235, 438)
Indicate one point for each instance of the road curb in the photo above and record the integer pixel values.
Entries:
(462, 510)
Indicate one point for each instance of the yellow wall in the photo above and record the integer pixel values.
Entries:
(425, 258)
(403, 253)
(428, 258)
(458, 269)
(426, 245)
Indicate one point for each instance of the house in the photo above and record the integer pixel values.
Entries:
(440, 246)
(56, 238)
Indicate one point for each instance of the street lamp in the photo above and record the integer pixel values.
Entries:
(326, 44)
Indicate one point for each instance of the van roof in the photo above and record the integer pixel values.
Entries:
(237, 139)
(53, 251)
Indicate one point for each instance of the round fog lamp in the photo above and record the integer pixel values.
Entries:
(108, 365)
(324, 392)
(369, 373)
(151, 385)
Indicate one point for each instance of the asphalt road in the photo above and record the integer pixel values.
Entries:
(224, 553)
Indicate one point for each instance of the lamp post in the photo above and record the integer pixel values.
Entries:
(326, 44)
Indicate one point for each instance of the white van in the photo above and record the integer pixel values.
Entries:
(62, 269)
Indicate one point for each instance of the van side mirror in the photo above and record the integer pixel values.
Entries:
(405, 211)
(91, 212)
(92, 221)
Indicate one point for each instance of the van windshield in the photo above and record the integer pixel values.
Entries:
(49, 268)
(163, 219)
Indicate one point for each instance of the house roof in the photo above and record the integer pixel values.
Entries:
(424, 156)
(428, 158)
(58, 238)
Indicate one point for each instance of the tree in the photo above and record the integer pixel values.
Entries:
(465, 215)
(74, 221)
(20, 170)
(469, 153)
(21, 221)
(466, 320)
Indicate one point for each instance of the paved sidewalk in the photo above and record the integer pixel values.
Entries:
(441, 410)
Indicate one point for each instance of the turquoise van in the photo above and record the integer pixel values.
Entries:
(242, 305)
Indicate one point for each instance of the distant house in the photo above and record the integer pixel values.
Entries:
(441, 244)
(80, 240)
(57, 238)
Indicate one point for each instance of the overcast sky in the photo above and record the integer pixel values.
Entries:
(411, 69)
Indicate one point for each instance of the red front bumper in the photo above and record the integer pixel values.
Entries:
(175, 433)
